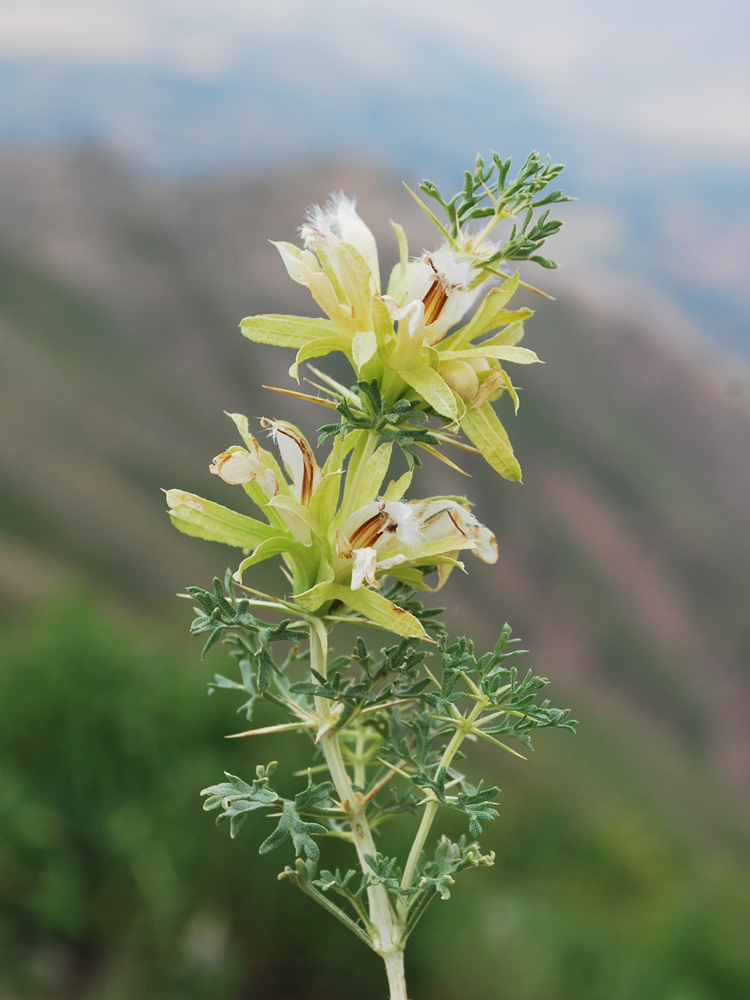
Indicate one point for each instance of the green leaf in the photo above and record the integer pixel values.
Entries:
(236, 798)
(382, 323)
(386, 873)
(294, 507)
(373, 475)
(484, 430)
(286, 331)
(318, 348)
(510, 387)
(509, 335)
(436, 877)
(356, 280)
(312, 599)
(397, 488)
(490, 313)
(432, 388)
(476, 806)
(380, 611)
(363, 348)
(204, 519)
(301, 832)
(272, 547)
(335, 461)
(338, 883)
(312, 796)
(325, 499)
(519, 355)
(347, 502)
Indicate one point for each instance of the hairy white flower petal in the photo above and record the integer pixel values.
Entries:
(353, 230)
(363, 568)
(325, 230)
(441, 282)
(449, 521)
(381, 522)
(339, 222)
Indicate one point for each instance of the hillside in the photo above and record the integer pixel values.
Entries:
(625, 555)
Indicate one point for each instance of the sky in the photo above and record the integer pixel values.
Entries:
(647, 102)
(661, 71)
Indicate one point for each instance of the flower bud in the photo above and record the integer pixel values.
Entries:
(234, 467)
(461, 377)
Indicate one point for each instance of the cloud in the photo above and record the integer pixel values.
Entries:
(649, 71)
(699, 118)
(100, 31)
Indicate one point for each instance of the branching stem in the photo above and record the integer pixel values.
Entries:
(386, 929)
(432, 807)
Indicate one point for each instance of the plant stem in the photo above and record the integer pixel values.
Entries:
(432, 807)
(357, 467)
(387, 930)
(360, 772)
(394, 967)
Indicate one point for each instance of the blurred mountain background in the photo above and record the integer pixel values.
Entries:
(137, 196)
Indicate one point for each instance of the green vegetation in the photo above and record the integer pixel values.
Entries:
(640, 884)
(111, 884)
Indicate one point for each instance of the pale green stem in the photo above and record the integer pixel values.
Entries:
(387, 931)
(432, 807)
(360, 764)
(357, 468)
(394, 967)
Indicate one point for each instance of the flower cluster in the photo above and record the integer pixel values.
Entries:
(336, 544)
(405, 337)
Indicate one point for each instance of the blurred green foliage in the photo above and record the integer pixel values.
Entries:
(114, 883)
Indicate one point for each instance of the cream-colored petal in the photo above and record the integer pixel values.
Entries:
(297, 456)
(382, 523)
(300, 265)
(353, 230)
(441, 282)
(485, 543)
(391, 561)
(238, 466)
(363, 568)
(449, 522)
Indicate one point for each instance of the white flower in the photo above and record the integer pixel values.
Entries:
(437, 297)
(297, 456)
(339, 222)
(382, 535)
(237, 466)
(440, 283)
(449, 522)
(382, 521)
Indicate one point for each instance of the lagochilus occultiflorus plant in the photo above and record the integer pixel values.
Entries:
(355, 544)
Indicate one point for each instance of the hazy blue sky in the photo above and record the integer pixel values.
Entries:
(647, 102)
(654, 72)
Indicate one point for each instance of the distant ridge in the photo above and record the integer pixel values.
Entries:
(625, 556)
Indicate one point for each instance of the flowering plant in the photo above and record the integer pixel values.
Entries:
(386, 733)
